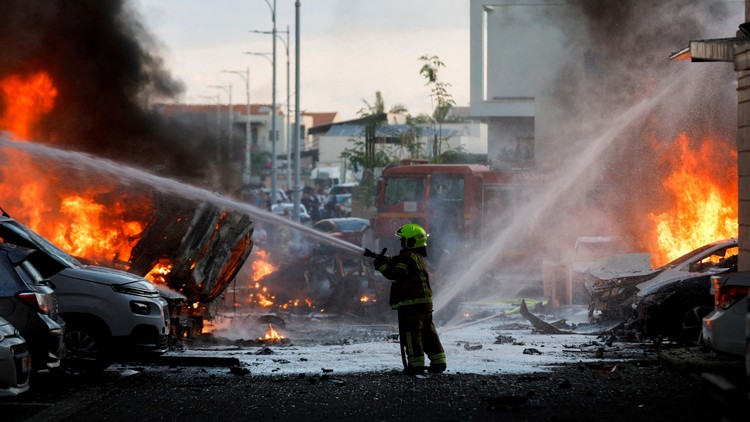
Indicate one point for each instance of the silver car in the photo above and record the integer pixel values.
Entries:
(724, 328)
(15, 361)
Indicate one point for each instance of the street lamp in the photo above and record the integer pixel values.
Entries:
(273, 99)
(288, 105)
(247, 174)
(297, 187)
(228, 90)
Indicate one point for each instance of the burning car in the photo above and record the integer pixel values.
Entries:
(195, 250)
(675, 308)
(614, 287)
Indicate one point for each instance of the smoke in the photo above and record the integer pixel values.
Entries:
(614, 104)
(101, 60)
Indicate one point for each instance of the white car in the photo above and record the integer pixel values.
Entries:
(15, 361)
(724, 329)
(108, 313)
(287, 210)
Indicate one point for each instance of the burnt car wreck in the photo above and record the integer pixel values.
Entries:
(657, 303)
(196, 251)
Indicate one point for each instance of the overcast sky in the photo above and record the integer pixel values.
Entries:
(349, 49)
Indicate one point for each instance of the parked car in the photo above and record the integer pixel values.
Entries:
(15, 361)
(350, 229)
(724, 328)
(287, 210)
(280, 197)
(108, 313)
(343, 188)
(29, 303)
(675, 308)
(613, 290)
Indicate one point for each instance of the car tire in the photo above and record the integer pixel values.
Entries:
(85, 352)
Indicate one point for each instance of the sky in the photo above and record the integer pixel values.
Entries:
(349, 49)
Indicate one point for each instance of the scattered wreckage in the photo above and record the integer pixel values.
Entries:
(631, 299)
(665, 302)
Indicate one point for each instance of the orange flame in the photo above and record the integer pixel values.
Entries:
(261, 266)
(704, 187)
(271, 335)
(159, 272)
(35, 195)
(26, 101)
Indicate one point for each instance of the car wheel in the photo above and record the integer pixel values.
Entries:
(692, 324)
(85, 352)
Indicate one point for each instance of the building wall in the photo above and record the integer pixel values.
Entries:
(470, 137)
(517, 49)
(742, 67)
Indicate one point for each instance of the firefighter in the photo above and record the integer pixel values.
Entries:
(411, 297)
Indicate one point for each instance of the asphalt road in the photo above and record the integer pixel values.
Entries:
(656, 389)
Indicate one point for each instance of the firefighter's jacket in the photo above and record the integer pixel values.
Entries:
(411, 282)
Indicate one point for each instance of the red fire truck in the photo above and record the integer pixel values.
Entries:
(458, 204)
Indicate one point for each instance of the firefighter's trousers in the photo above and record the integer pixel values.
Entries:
(419, 336)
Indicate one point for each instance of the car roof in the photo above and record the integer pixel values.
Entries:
(346, 222)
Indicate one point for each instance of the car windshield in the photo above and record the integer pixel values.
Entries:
(687, 257)
(16, 233)
(399, 189)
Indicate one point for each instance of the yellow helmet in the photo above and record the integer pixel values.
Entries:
(414, 235)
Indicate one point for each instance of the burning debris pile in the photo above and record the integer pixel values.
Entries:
(317, 280)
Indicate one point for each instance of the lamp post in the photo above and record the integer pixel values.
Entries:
(228, 90)
(297, 187)
(247, 174)
(273, 98)
(288, 103)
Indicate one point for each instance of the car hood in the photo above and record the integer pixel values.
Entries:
(623, 265)
(669, 278)
(102, 275)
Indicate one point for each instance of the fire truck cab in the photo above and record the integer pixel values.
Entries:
(458, 204)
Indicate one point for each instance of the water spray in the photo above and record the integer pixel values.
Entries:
(128, 174)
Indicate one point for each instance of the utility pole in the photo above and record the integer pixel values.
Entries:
(288, 102)
(297, 187)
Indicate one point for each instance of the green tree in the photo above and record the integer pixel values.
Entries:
(441, 99)
(363, 152)
(378, 107)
